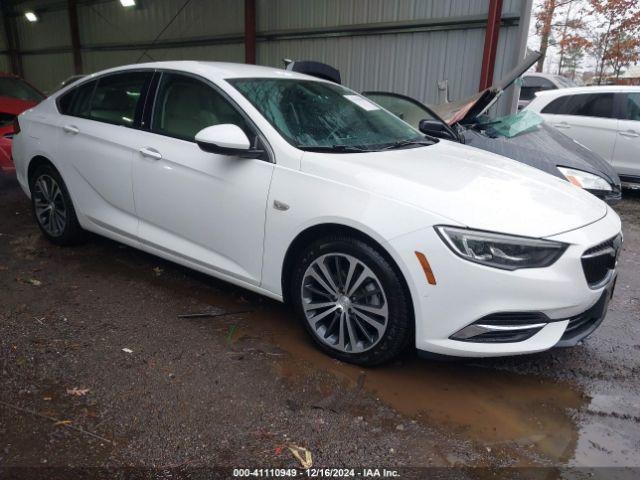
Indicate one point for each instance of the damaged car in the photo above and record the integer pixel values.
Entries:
(16, 96)
(524, 136)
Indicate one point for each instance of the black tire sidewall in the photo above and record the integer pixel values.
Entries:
(72, 233)
(400, 322)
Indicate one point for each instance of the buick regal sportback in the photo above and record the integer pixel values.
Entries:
(304, 191)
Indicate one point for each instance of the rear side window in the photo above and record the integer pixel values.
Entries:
(633, 106)
(585, 105)
(185, 105)
(117, 98)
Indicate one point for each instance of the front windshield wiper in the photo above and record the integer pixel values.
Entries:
(407, 142)
(333, 148)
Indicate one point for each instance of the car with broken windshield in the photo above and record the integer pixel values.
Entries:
(523, 136)
(381, 238)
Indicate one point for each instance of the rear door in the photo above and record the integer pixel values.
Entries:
(626, 159)
(588, 118)
(99, 126)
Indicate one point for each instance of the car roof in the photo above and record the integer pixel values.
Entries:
(539, 74)
(213, 70)
(592, 89)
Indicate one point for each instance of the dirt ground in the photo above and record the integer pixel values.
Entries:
(97, 369)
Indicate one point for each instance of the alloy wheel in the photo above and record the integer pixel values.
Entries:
(344, 303)
(50, 207)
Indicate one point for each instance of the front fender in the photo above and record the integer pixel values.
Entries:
(314, 201)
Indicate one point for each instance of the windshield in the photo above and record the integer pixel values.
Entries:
(511, 125)
(318, 115)
(16, 88)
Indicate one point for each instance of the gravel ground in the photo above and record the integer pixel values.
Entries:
(97, 369)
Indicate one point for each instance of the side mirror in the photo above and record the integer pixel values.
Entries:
(226, 139)
(437, 129)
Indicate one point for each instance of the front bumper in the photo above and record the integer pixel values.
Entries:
(466, 292)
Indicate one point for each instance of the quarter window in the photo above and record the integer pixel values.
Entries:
(633, 106)
(117, 98)
(77, 102)
(185, 105)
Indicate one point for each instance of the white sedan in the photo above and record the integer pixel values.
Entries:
(604, 119)
(306, 192)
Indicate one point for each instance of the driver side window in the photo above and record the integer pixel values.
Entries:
(185, 105)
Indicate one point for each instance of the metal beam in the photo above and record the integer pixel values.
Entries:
(490, 44)
(382, 28)
(250, 31)
(74, 30)
(12, 39)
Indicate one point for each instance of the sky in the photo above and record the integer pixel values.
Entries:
(551, 61)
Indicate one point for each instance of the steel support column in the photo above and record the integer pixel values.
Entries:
(75, 36)
(490, 43)
(250, 31)
(12, 39)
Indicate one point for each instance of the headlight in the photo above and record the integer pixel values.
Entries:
(585, 180)
(508, 252)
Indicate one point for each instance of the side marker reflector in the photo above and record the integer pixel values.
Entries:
(427, 268)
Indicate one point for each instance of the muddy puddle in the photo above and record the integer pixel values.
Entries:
(525, 417)
(497, 410)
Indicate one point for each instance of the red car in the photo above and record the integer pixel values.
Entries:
(16, 96)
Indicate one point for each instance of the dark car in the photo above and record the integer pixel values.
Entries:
(524, 136)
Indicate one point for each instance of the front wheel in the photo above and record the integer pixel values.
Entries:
(352, 300)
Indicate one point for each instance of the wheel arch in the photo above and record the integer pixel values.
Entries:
(314, 232)
(34, 163)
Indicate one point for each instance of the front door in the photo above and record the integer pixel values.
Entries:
(205, 208)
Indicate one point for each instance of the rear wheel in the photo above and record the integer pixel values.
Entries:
(52, 207)
(353, 302)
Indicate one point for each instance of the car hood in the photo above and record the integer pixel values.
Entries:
(15, 106)
(466, 185)
(546, 148)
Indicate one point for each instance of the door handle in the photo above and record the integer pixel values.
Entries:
(151, 153)
(71, 129)
(630, 134)
(564, 125)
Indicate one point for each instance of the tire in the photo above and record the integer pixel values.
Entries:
(369, 337)
(61, 226)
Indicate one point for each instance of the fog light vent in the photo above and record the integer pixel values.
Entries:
(503, 327)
